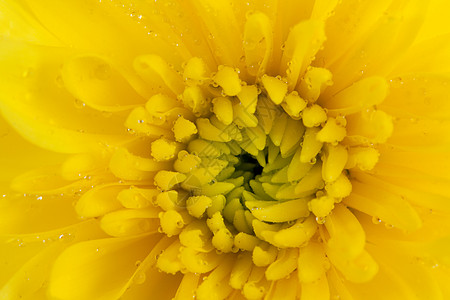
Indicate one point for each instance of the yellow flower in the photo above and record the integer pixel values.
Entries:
(225, 149)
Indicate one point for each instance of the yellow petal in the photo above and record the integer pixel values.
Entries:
(223, 109)
(43, 181)
(293, 104)
(346, 234)
(397, 277)
(316, 290)
(241, 270)
(134, 197)
(126, 165)
(127, 222)
(390, 207)
(31, 156)
(311, 145)
(303, 42)
(195, 71)
(58, 126)
(361, 94)
(199, 262)
(311, 181)
(291, 137)
(397, 27)
(426, 198)
(258, 43)
(340, 188)
(373, 126)
(184, 130)
(284, 289)
(264, 254)
(312, 263)
(197, 236)
(314, 83)
(414, 180)
(323, 9)
(187, 287)
(209, 132)
(153, 64)
(276, 88)
(295, 236)
(334, 162)
(169, 260)
(141, 121)
(147, 284)
(27, 213)
(228, 79)
(313, 116)
(418, 96)
(284, 265)
(297, 169)
(359, 269)
(171, 222)
(69, 278)
(416, 59)
(24, 254)
(101, 30)
(249, 97)
(163, 149)
(332, 132)
(321, 207)
(99, 201)
(18, 22)
(100, 85)
(219, 20)
(364, 158)
(216, 286)
(271, 211)
(422, 133)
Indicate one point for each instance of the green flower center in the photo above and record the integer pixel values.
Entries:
(250, 163)
(249, 168)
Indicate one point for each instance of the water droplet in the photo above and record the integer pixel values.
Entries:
(79, 104)
(27, 73)
(320, 220)
(59, 81)
(20, 243)
(388, 226)
(102, 71)
(139, 278)
(376, 220)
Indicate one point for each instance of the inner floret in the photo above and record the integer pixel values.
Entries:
(253, 168)
(248, 163)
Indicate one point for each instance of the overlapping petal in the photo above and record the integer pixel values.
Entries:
(193, 125)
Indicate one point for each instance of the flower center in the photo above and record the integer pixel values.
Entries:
(231, 166)
(253, 168)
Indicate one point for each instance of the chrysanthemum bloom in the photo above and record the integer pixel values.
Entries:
(225, 149)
